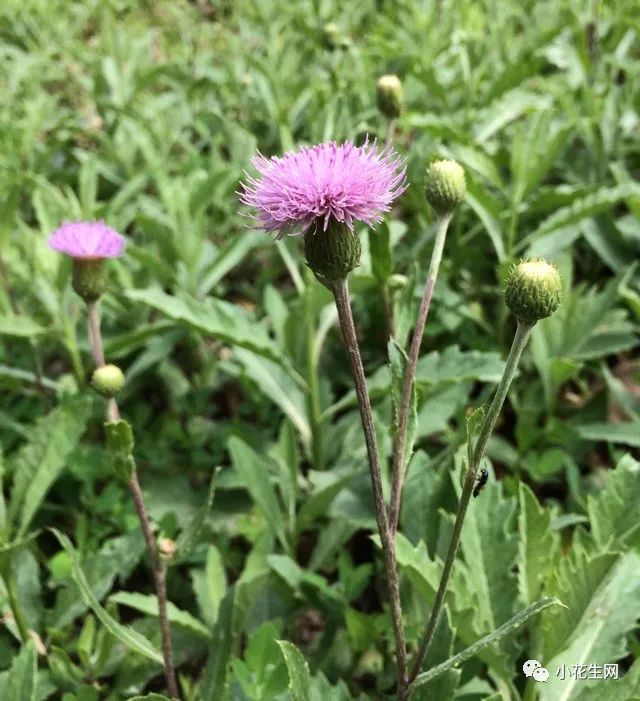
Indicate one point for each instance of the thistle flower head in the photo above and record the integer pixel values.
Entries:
(390, 95)
(533, 290)
(87, 240)
(446, 186)
(328, 182)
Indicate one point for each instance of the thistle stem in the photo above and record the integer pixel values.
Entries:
(157, 565)
(341, 293)
(519, 342)
(400, 437)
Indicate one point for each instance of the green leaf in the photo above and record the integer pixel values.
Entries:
(255, 472)
(380, 252)
(627, 433)
(474, 425)
(188, 538)
(454, 365)
(210, 585)
(148, 604)
(279, 386)
(149, 697)
(537, 547)
(602, 594)
(398, 364)
(601, 200)
(613, 512)
(20, 326)
(215, 675)
(125, 634)
(225, 322)
(299, 677)
(503, 631)
(38, 464)
(120, 443)
(22, 682)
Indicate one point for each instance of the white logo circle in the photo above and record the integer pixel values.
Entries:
(541, 674)
(530, 666)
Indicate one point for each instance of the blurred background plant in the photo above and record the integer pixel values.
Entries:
(146, 114)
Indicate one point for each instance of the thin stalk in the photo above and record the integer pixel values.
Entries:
(519, 342)
(391, 128)
(345, 316)
(317, 439)
(158, 567)
(160, 577)
(400, 437)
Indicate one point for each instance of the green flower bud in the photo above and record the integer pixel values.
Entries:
(89, 278)
(446, 186)
(332, 254)
(533, 290)
(334, 37)
(108, 380)
(390, 96)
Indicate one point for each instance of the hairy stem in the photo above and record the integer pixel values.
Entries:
(519, 342)
(160, 579)
(402, 419)
(157, 565)
(345, 316)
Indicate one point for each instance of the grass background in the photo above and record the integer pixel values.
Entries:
(146, 114)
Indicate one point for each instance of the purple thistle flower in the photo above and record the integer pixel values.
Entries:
(343, 182)
(87, 240)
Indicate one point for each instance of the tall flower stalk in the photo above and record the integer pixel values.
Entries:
(321, 192)
(89, 244)
(533, 292)
(445, 190)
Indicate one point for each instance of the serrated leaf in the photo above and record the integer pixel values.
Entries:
(474, 424)
(125, 634)
(119, 444)
(599, 201)
(603, 605)
(22, 682)
(455, 365)
(38, 464)
(613, 512)
(148, 604)
(299, 677)
(149, 697)
(537, 547)
(503, 631)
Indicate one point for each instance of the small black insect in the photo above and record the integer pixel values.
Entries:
(481, 481)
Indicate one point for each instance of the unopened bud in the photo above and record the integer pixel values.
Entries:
(533, 290)
(89, 278)
(332, 254)
(390, 96)
(167, 548)
(446, 187)
(108, 380)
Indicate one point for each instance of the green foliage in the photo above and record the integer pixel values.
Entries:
(146, 114)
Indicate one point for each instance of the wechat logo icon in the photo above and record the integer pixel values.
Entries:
(533, 668)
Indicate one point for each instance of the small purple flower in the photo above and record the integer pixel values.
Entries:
(343, 182)
(87, 240)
